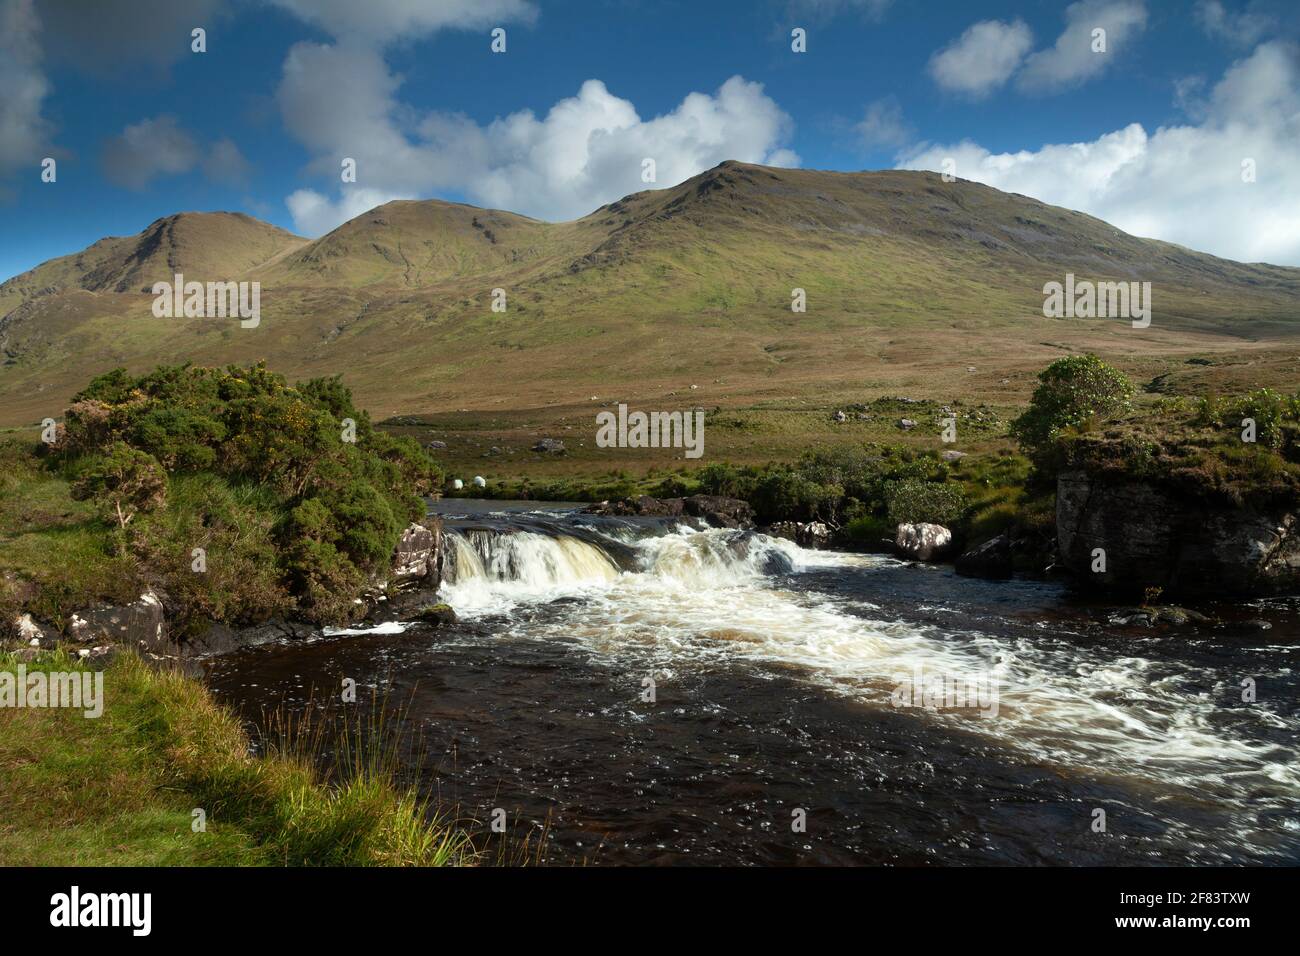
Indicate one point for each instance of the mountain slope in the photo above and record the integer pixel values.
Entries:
(909, 281)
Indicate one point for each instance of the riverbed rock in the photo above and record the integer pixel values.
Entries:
(806, 534)
(438, 615)
(922, 541)
(417, 557)
(1149, 616)
(992, 559)
(1152, 537)
(719, 511)
(142, 624)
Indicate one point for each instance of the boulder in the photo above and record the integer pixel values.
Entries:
(952, 455)
(806, 534)
(417, 559)
(550, 446)
(435, 445)
(922, 541)
(992, 559)
(906, 424)
(839, 416)
(438, 615)
(719, 511)
(1153, 537)
(142, 623)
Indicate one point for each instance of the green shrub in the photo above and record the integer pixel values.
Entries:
(1072, 392)
(912, 500)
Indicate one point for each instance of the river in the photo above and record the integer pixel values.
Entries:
(643, 691)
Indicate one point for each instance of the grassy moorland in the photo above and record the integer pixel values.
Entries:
(121, 789)
(915, 287)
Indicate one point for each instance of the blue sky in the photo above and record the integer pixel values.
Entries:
(141, 126)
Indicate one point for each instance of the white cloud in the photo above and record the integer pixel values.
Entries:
(586, 151)
(377, 22)
(159, 146)
(24, 133)
(1180, 183)
(983, 58)
(1071, 60)
(882, 126)
(1239, 28)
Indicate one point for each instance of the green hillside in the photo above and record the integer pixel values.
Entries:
(673, 296)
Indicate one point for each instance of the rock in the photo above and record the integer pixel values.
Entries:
(952, 455)
(906, 423)
(1153, 537)
(26, 630)
(992, 559)
(716, 510)
(418, 556)
(141, 623)
(922, 541)
(552, 446)
(436, 444)
(719, 511)
(806, 534)
(839, 417)
(439, 615)
(1162, 614)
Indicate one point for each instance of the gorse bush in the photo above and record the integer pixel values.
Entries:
(276, 485)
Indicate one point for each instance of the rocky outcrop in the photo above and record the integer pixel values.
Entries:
(806, 534)
(922, 541)
(417, 559)
(992, 559)
(142, 624)
(716, 510)
(1132, 535)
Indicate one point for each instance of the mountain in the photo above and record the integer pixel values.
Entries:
(909, 280)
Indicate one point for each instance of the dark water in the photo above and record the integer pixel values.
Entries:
(773, 670)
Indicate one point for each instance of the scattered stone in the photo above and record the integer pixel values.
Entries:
(550, 446)
(952, 455)
(840, 417)
(906, 423)
(436, 444)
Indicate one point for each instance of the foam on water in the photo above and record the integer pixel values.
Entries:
(701, 598)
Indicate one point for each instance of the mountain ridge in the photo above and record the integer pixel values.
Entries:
(689, 281)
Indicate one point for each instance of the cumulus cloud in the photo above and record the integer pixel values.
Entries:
(883, 126)
(1240, 28)
(377, 22)
(587, 150)
(24, 132)
(1180, 183)
(983, 58)
(1072, 60)
(106, 38)
(159, 146)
